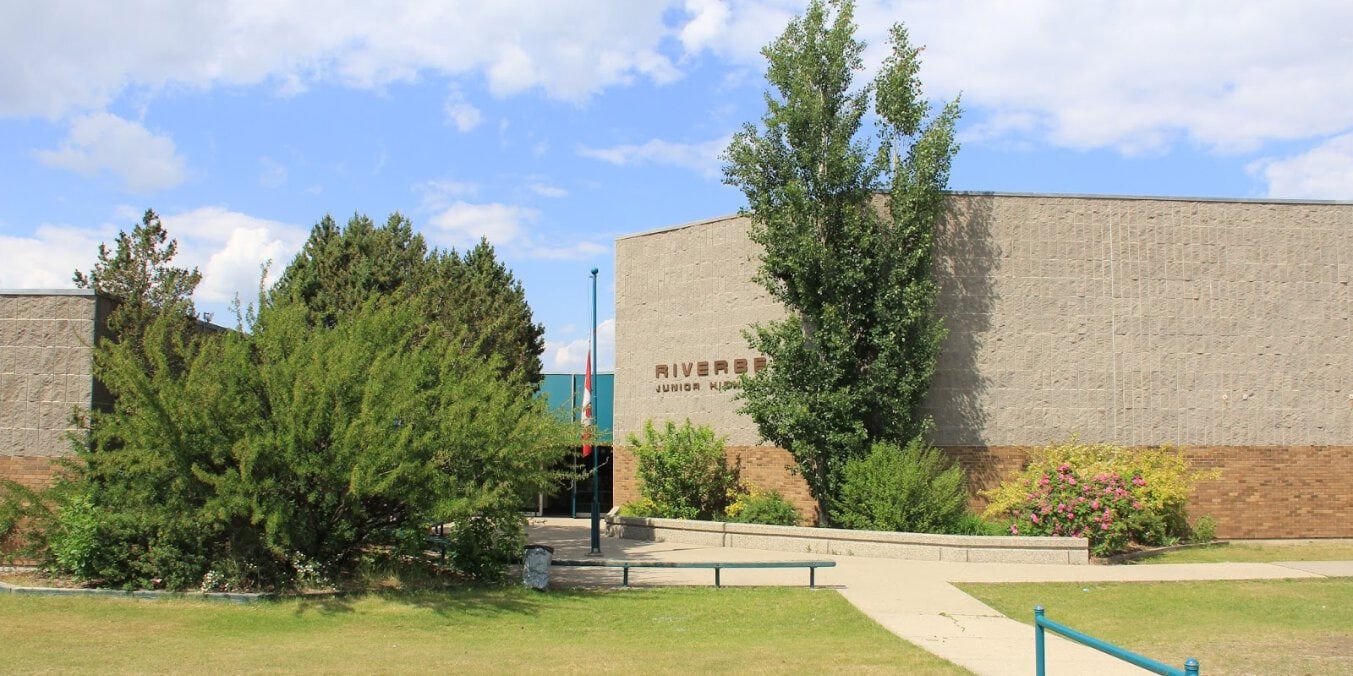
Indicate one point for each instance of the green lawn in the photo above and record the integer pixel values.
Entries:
(1305, 550)
(1238, 627)
(494, 631)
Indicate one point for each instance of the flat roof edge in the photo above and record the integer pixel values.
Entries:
(690, 224)
(1043, 195)
(1153, 198)
(48, 292)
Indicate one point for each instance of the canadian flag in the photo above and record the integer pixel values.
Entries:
(587, 408)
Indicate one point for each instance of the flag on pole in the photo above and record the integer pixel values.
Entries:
(587, 408)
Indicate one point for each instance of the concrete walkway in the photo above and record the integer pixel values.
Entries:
(912, 599)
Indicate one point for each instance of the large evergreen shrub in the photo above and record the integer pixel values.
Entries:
(290, 453)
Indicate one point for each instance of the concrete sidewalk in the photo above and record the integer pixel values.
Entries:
(913, 599)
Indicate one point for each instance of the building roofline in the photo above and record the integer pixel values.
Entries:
(1037, 195)
(691, 224)
(1152, 198)
(48, 292)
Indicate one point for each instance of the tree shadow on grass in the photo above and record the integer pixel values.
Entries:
(463, 600)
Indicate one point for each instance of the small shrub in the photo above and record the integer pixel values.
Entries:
(764, 507)
(973, 524)
(914, 489)
(481, 547)
(1205, 530)
(75, 542)
(683, 471)
(642, 508)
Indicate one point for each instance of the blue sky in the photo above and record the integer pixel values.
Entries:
(554, 127)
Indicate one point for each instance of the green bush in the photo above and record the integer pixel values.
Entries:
(683, 471)
(481, 547)
(75, 541)
(913, 489)
(1205, 530)
(642, 508)
(973, 524)
(764, 507)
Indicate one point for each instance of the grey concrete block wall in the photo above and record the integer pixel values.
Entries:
(46, 358)
(683, 297)
(1145, 321)
(1127, 320)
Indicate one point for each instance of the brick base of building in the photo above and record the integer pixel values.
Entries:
(760, 467)
(31, 471)
(1263, 491)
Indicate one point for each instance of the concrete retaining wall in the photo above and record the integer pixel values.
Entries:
(838, 542)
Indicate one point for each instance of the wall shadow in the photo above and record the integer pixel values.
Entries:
(967, 257)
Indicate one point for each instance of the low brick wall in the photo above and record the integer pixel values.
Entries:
(838, 542)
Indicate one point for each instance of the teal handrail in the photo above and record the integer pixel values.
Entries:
(1041, 623)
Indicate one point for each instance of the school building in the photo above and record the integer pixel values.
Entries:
(1224, 327)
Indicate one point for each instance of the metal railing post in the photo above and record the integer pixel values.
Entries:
(1191, 667)
(1039, 667)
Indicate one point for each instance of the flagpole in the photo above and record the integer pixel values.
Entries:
(596, 453)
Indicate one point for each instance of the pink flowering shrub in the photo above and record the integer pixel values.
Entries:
(1099, 508)
(1115, 496)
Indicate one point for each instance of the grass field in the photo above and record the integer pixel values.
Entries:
(491, 631)
(1236, 627)
(1267, 552)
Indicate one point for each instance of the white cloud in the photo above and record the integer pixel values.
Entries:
(1139, 77)
(547, 190)
(571, 356)
(464, 116)
(1324, 172)
(737, 30)
(570, 252)
(102, 142)
(461, 224)
(453, 222)
(65, 55)
(437, 194)
(709, 21)
(702, 158)
(230, 248)
(1136, 77)
(48, 258)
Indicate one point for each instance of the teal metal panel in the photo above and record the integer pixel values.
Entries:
(564, 392)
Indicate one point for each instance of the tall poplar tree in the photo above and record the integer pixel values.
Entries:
(846, 223)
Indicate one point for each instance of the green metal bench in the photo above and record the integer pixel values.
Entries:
(718, 566)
